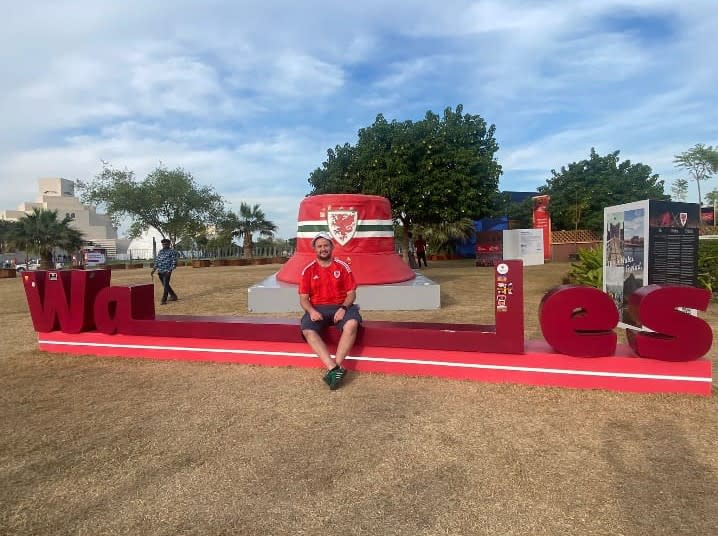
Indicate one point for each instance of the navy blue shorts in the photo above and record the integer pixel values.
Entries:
(328, 311)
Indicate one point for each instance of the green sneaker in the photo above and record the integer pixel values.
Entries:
(339, 374)
(329, 377)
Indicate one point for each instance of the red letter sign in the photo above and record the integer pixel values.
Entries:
(579, 321)
(63, 299)
(677, 336)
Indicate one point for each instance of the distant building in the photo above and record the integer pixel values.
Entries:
(58, 194)
(519, 197)
(144, 246)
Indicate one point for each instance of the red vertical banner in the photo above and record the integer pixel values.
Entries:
(542, 220)
(708, 216)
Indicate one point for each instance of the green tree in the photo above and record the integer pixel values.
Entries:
(7, 231)
(438, 169)
(701, 162)
(712, 198)
(520, 214)
(441, 237)
(339, 173)
(252, 220)
(225, 230)
(581, 190)
(679, 190)
(169, 201)
(41, 232)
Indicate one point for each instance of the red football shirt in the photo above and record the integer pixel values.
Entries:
(327, 286)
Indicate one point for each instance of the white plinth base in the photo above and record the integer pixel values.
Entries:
(420, 293)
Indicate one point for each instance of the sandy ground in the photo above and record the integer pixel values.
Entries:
(97, 446)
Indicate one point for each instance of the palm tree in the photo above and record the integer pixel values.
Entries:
(441, 237)
(252, 220)
(41, 232)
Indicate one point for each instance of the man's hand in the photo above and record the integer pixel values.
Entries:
(339, 315)
(315, 315)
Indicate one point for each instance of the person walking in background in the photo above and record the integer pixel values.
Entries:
(164, 265)
(411, 252)
(420, 245)
(327, 290)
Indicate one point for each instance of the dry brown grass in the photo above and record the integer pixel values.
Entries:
(110, 446)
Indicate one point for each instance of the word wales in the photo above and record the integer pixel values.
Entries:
(576, 321)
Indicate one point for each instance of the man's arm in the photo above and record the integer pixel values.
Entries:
(349, 300)
(306, 304)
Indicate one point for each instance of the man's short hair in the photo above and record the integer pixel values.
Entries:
(325, 236)
(165, 241)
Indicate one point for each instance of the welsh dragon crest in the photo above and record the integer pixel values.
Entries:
(342, 225)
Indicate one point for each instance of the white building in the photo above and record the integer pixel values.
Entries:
(145, 246)
(56, 193)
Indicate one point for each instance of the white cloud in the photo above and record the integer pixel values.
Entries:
(248, 96)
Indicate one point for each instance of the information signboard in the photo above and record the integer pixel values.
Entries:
(648, 242)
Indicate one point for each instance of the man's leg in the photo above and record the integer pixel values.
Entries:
(164, 277)
(317, 344)
(346, 341)
(170, 291)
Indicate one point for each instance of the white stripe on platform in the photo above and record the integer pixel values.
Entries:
(395, 360)
(180, 348)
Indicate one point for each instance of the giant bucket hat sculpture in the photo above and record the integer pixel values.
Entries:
(362, 233)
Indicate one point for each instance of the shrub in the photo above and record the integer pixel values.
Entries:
(589, 268)
(708, 264)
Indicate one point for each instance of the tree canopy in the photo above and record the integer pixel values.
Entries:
(169, 201)
(41, 232)
(7, 229)
(442, 237)
(701, 162)
(224, 232)
(519, 213)
(438, 169)
(581, 190)
(679, 190)
(712, 198)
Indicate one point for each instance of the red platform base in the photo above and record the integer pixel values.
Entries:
(538, 366)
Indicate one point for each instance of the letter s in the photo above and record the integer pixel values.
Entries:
(677, 336)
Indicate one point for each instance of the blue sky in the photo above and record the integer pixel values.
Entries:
(248, 96)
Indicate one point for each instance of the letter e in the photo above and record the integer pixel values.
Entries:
(579, 321)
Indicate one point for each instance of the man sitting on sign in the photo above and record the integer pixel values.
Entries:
(327, 291)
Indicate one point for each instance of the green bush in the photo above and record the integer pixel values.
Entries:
(588, 270)
(708, 264)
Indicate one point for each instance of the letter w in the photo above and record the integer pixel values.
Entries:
(63, 300)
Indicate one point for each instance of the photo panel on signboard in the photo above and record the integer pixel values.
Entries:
(624, 261)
